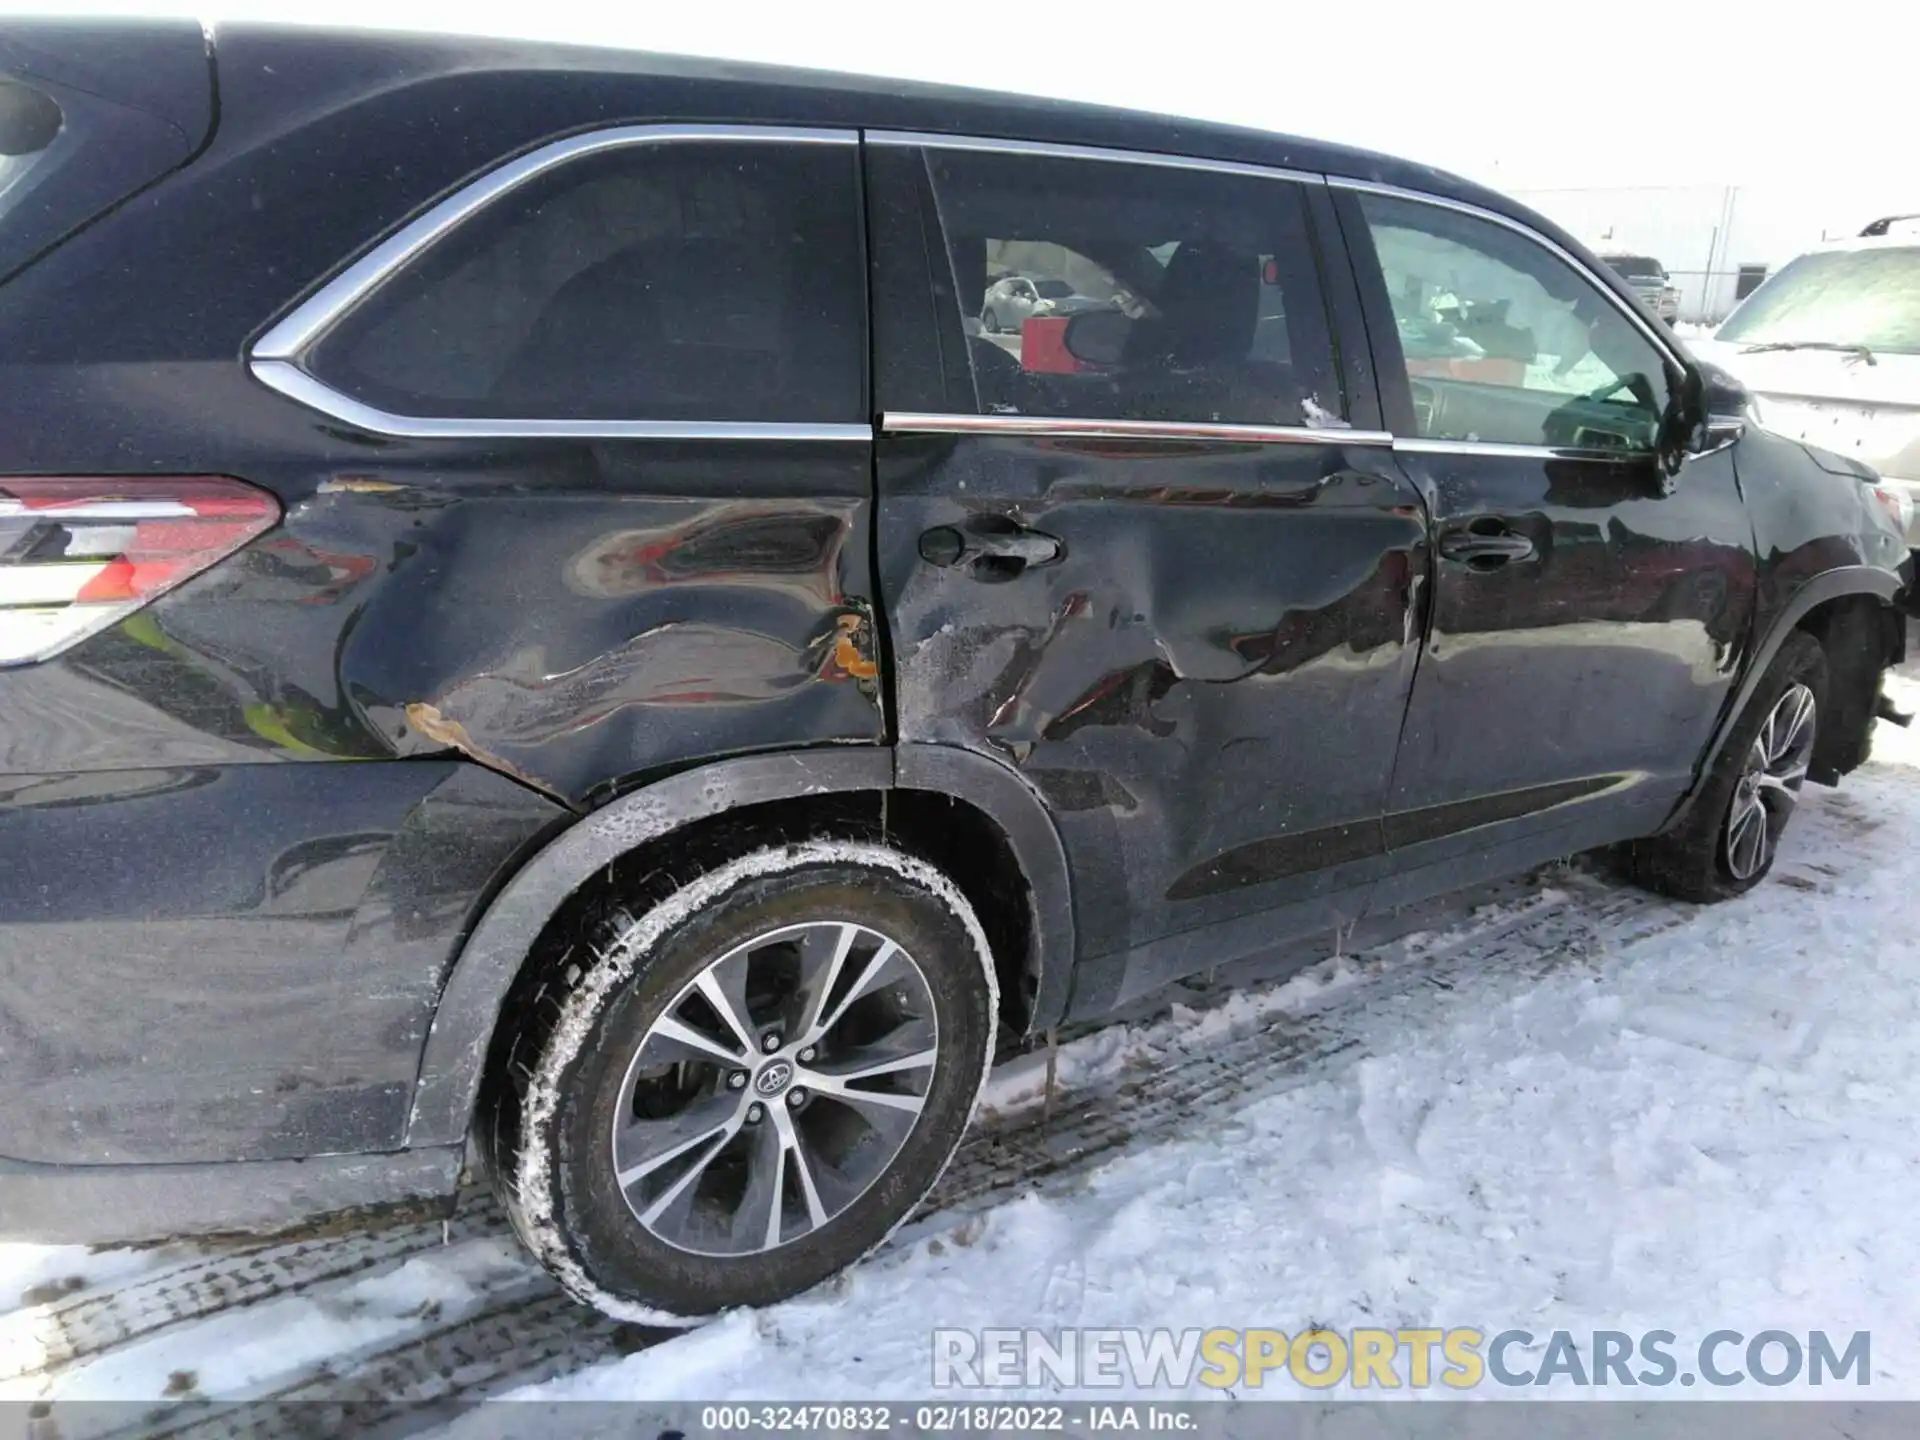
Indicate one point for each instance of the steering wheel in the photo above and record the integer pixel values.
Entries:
(1607, 391)
(1635, 384)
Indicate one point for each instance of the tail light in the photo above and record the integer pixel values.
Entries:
(76, 555)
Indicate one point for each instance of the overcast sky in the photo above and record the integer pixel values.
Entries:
(1518, 95)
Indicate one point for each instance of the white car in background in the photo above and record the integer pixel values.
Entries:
(1830, 349)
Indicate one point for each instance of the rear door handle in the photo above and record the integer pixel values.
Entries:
(1029, 547)
(1486, 549)
(988, 550)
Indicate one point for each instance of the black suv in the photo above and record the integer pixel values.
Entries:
(533, 615)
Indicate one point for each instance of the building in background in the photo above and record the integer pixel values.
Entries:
(1718, 242)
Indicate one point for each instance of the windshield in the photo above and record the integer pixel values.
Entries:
(1636, 267)
(1053, 289)
(1839, 297)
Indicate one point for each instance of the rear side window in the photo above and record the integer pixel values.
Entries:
(1163, 293)
(707, 280)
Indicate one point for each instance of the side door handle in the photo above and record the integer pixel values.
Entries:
(990, 548)
(1487, 547)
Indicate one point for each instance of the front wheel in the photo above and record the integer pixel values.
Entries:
(990, 322)
(751, 1086)
(1727, 842)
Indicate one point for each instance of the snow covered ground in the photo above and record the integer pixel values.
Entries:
(1575, 1107)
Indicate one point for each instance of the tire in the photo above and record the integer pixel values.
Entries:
(990, 322)
(1703, 859)
(801, 1171)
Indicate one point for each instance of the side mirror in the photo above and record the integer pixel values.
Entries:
(1721, 396)
(1098, 337)
(1707, 413)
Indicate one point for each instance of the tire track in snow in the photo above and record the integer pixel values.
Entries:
(223, 1279)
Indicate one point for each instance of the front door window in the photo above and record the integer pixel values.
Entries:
(1504, 342)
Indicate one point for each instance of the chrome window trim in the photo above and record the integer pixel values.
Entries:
(1422, 445)
(275, 356)
(927, 140)
(1074, 427)
(1417, 197)
(296, 384)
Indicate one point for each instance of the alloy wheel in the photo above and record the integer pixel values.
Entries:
(775, 1089)
(1769, 786)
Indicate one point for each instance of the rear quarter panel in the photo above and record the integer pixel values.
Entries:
(537, 624)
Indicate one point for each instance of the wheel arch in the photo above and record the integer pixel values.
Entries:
(461, 1037)
(1808, 608)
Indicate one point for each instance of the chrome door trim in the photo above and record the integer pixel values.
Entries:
(296, 384)
(1417, 445)
(1417, 197)
(274, 358)
(927, 140)
(1072, 427)
(311, 318)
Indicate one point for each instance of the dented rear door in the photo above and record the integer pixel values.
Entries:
(1153, 567)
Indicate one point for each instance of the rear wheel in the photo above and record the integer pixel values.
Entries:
(990, 322)
(1727, 842)
(750, 1085)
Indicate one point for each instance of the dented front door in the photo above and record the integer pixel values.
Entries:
(1194, 637)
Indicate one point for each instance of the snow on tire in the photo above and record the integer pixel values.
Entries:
(749, 1086)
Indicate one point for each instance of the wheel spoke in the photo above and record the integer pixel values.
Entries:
(839, 1089)
(1786, 787)
(725, 988)
(1747, 838)
(669, 1032)
(676, 1196)
(871, 1061)
(908, 1046)
(869, 980)
(803, 1170)
(756, 1224)
(823, 953)
(643, 1146)
(1793, 714)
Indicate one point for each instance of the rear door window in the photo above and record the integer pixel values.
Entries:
(1162, 292)
(697, 281)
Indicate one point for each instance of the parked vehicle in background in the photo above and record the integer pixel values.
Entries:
(547, 633)
(1830, 349)
(1013, 299)
(1649, 280)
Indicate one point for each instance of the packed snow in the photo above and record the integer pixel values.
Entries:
(1662, 1117)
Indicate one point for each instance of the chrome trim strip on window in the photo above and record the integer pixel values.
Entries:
(1411, 445)
(928, 141)
(313, 315)
(296, 384)
(1067, 427)
(1416, 197)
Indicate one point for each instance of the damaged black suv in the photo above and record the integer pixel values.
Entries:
(539, 625)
